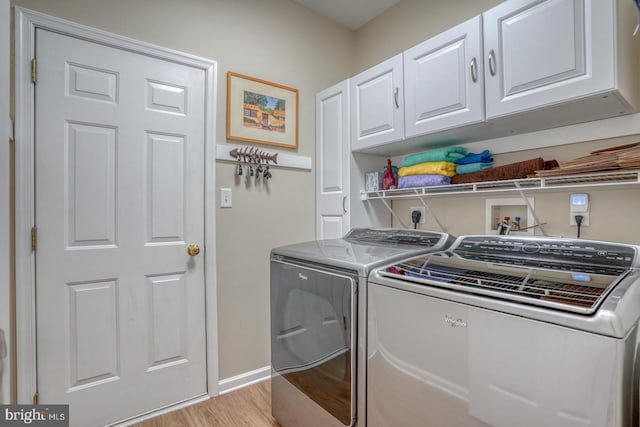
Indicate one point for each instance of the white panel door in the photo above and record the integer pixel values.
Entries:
(119, 195)
(377, 105)
(332, 158)
(443, 80)
(541, 53)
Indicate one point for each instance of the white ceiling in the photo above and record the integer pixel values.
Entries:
(351, 13)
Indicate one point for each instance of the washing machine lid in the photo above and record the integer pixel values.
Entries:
(363, 249)
(581, 284)
(564, 274)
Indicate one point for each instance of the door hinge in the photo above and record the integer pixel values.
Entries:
(36, 398)
(33, 70)
(34, 239)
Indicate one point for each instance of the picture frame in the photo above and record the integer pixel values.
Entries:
(261, 112)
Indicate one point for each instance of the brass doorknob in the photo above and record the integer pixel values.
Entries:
(193, 249)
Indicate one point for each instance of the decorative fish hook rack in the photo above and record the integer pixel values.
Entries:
(256, 162)
(253, 155)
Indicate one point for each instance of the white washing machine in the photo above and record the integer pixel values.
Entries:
(505, 331)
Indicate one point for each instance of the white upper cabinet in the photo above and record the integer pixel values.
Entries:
(443, 80)
(377, 105)
(332, 162)
(523, 66)
(541, 53)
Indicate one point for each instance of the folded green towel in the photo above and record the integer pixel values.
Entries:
(447, 154)
(473, 167)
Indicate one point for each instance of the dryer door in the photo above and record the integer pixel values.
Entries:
(312, 336)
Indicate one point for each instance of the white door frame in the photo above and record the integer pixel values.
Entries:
(26, 23)
(5, 250)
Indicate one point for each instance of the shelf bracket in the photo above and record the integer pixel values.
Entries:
(530, 208)
(426, 206)
(390, 209)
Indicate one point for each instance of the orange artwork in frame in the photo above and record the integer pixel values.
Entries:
(261, 112)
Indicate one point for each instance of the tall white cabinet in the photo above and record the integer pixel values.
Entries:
(332, 162)
(340, 174)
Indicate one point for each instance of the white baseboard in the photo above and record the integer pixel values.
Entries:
(233, 383)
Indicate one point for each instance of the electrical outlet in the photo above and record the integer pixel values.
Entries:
(585, 219)
(225, 198)
(579, 205)
(423, 213)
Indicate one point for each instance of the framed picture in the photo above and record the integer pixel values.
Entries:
(262, 112)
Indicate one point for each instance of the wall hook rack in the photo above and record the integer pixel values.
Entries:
(256, 162)
(283, 160)
(253, 155)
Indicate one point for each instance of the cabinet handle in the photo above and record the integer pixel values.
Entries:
(492, 62)
(395, 97)
(474, 70)
(344, 201)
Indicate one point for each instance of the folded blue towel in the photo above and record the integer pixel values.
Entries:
(427, 180)
(473, 167)
(447, 154)
(484, 157)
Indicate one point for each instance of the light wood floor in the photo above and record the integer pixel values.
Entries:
(248, 407)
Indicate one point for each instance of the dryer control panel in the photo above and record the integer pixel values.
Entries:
(397, 236)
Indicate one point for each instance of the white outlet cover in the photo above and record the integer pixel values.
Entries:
(423, 214)
(585, 219)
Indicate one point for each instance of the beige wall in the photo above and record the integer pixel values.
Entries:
(410, 22)
(299, 49)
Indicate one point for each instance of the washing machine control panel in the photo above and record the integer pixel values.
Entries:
(531, 251)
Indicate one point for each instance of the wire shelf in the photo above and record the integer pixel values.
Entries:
(600, 179)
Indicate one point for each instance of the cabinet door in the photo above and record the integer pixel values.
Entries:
(443, 80)
(377, 112)
(332, 158)
(540, 53)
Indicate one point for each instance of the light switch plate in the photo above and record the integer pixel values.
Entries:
(226, 198)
